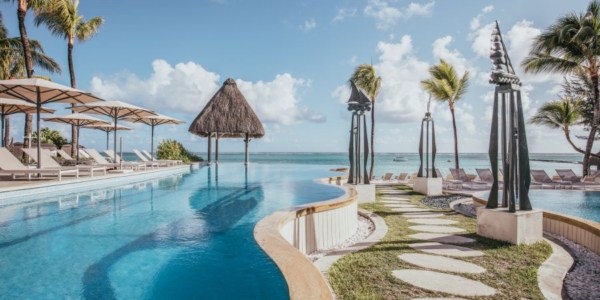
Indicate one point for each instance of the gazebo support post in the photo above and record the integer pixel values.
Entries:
(209, 145)
(247, 141)
(217, 149)
(2, 126)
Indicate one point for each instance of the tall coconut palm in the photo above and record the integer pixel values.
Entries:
(364, 77)
(63, 20)
(22, 7)
(12, 62)
(560, 114)
(445, 86)
(571, 45)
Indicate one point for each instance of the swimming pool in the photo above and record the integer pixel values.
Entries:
(578, 203)
(188, 236)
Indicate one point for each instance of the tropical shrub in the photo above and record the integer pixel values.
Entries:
(171, 149)
(50, 136)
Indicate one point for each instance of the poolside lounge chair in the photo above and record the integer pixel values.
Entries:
(402, 178)
(175, 161)
(449, 184)
(49, 162)
(485, 175)
(9, 164)
(569, 175)
(540, 177)
(117, 159)
(147, 162)
(68, 157)
(387, 177)
(100, 160)
(461, 175)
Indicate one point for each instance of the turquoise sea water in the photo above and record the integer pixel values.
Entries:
(178, 237)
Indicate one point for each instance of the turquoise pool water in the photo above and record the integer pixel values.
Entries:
(578, 203)
(181, 237)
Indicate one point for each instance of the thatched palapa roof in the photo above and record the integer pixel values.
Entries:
(228, 114)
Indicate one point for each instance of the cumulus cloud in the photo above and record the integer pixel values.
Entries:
(388, 16)
(187, 87)
(476, 21)
(344, 13)
(309, 25)
(452, 56)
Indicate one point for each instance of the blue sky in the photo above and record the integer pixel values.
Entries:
(292, 60)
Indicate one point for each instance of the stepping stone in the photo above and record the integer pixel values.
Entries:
(394, 198)
(441, 263)
(441, 238)
(401, 205)
(445, 283)
(409, 209)
(444, 249)
(427, 214)
(395, 202)
(438, 299)
(437, 229)
(432, 221)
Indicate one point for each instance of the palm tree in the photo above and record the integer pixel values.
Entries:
(63, 20)
(12, 62)
(445, 85)
(364, 77)
(22, 7)
(571, 45)
(560, 114)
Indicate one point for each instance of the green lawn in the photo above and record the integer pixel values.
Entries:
(367, 274)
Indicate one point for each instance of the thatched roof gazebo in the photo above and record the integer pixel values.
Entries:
(227, 115)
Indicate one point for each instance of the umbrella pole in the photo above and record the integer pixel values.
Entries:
(77, 149)
(246, 163)
(3, 127)
(39, 140)
(107, 134)
(115, 140)
(152, 144)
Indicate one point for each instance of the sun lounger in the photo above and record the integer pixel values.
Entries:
(175, 161)
(485, 175)
(100, 160)
(461, 175)
(67, 158)
(387, 177)
(540, 177)
(9, 164)
(402, 178)
(570, 176)
(449, 184)
(118, 160)
(49, 162)
(147, 162)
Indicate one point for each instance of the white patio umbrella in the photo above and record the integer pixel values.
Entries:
(14, 106)
(107, 128)
(77, 120)
(153, 121)
(114, 109)
(39, 91)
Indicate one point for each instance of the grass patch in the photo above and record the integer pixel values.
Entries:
(367, 274)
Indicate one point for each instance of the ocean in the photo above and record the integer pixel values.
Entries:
(384, 162)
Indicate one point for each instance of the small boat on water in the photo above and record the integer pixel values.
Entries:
(400, 158)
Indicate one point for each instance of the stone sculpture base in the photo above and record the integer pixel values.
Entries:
(520, 227)
(428, 186)
(366, 192)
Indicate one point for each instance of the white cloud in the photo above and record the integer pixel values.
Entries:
(454, 57)
(388, 16)
(476, 21)
(351, 61)
(309, 25)
(187, 87)
(344, 13)
(341, 93)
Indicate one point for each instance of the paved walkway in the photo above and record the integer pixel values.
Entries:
(434, 250)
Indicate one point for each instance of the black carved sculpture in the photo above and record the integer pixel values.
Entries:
(358, 104)
(425, 124)
(515, 155)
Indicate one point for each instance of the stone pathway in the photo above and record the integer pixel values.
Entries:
(437, 244)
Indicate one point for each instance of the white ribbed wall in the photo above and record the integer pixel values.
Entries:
(321, 230)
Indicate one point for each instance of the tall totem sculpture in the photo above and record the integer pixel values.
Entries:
(425, 125)
(513, 140)
(358, 104)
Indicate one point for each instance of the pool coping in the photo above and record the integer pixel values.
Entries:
(75, 183)
(303, 279)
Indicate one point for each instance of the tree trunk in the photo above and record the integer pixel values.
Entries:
(6, 130)
(372, 139)
(21, 13)
(593, 127)
(568, 136)
(74, 136)
(455, 138)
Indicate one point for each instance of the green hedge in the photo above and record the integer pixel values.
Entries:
(171, 149)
